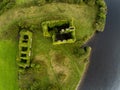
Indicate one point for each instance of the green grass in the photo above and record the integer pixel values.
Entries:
(54, 67)
(8, 73)
(21, 1)
(42, 47)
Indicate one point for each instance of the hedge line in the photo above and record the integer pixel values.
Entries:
(101, 16)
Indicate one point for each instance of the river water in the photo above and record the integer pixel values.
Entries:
(104, 70)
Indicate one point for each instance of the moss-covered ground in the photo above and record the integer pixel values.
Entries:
(53, 67)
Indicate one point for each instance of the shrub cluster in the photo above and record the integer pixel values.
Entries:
(81, 52)
(101, 16)
(28, 25)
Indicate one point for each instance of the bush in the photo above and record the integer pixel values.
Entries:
(101, 16)
(103, 9)
(100, 3)
(100, 23)
(78, 51)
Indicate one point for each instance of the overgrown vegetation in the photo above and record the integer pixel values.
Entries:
(101, 16)
(6, 5)
(58, 67)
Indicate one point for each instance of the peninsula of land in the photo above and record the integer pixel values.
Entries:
(42, 42)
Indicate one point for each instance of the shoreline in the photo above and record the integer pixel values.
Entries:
(85, 71)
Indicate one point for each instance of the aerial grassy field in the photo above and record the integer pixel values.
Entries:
(8, 70)
(52, 67)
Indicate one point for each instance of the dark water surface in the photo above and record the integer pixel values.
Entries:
(104, 70)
